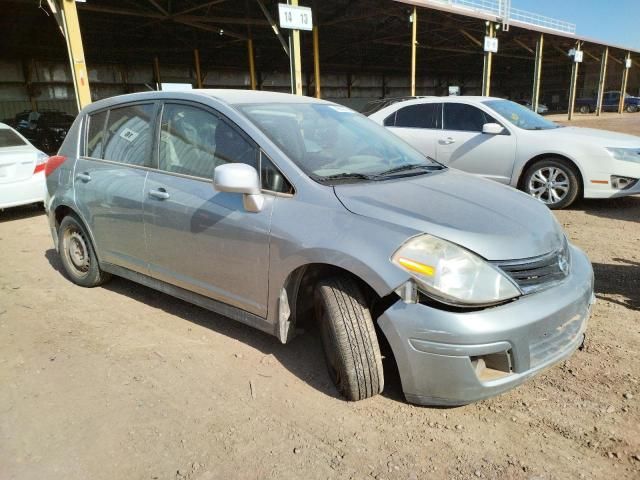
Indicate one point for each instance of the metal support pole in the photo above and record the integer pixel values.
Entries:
(603, 78)
(71, 30)
(414, 44)
(196, 61)
(537, 73)
(156, 73)
(488, 58)
(252, 65)
(574, 81)
(295, 58)
(316, 61)
(623, 88)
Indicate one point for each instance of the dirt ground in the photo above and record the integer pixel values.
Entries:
(122, 382)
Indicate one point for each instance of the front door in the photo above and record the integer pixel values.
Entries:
(109, 182)
(462, 145)
(200, 239)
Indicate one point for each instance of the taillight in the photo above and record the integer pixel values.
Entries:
(53, 163)
(41, 161)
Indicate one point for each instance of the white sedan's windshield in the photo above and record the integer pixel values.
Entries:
(520, 116)
(333, 143)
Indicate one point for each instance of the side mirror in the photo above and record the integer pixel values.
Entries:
(492, 129)
(240, 178)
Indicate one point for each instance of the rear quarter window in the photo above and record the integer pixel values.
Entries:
(95, 134)
(9, 138)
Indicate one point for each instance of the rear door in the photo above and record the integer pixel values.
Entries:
(109, 182)
(462, 144)
(419, 125)
(610, 101)
(17, 157)
(200, 239)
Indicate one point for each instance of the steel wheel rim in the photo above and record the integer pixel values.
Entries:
(550, 185)
(75, 249)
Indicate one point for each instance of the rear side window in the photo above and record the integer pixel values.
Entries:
(128, 135)
(425, 115)
(9, 138)
(95, 134)
(467, 118)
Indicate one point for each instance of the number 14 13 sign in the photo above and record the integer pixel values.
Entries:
(295, 18)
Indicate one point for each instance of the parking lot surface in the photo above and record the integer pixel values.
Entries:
(123, 382)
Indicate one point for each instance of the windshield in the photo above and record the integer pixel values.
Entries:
(331, 143)
(520, 116)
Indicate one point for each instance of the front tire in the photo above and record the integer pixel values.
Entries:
(584, 109)
(349, 339)
(553, 181)
(632, 108)
(77, 254)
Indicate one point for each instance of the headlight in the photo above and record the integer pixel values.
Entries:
(453, 275)
(625, 154)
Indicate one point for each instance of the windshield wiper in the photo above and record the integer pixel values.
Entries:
(344, 176)
(409, 167)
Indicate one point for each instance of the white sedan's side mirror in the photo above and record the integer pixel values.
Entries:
(492, 129)
(240, 178)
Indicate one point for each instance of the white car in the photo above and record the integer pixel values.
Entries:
(506, 142)
(22, 176)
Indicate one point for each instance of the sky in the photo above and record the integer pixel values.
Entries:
(616, 22)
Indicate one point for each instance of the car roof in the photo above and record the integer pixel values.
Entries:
(229, 96)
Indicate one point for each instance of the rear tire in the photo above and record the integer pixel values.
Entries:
(632, 108)
(349, 339)
(554, 182)
(584, 109)
(77, 254)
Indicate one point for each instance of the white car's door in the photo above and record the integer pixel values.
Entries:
(462, 145)
(419, 125)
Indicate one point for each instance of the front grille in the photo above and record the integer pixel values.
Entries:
(533, 274)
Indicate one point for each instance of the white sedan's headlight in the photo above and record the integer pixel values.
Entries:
(452, 274)
(625, 154)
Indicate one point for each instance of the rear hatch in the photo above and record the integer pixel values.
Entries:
(17, 158)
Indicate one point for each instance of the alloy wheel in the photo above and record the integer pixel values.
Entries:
(549, 185)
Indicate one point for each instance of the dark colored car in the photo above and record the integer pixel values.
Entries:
(610, 103)
(45, 129)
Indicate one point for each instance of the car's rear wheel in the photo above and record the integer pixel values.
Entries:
(78, 255)
(552, 181)
(632, 108)
(584, 109)
(349, 339)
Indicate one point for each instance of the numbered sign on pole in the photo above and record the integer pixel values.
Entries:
(295, 18)
(491, 44)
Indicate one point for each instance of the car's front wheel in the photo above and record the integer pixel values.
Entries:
(584, 109)
(349, 339)
(552, 181)
(632, 108)
(77, 254)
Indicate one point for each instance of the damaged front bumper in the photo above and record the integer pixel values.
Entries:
(455, 358)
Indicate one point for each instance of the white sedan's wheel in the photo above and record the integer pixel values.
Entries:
(553, 182)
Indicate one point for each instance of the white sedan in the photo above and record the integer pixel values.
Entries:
(22, 167)
(509, 143)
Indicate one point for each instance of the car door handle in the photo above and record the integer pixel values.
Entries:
(447, 141)
(160, 194)
(84, 176)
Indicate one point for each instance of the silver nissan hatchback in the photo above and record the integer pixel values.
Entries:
(275, 210)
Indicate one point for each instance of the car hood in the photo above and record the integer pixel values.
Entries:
(592, 136)
(492, 220)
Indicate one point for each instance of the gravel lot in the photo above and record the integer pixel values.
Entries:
(122, 382)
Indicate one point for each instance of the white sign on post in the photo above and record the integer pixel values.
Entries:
(295, 18)
(627, 63)
(578, 56)
(491, 44)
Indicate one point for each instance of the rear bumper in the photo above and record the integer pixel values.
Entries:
(24, 192)
(437, 351)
